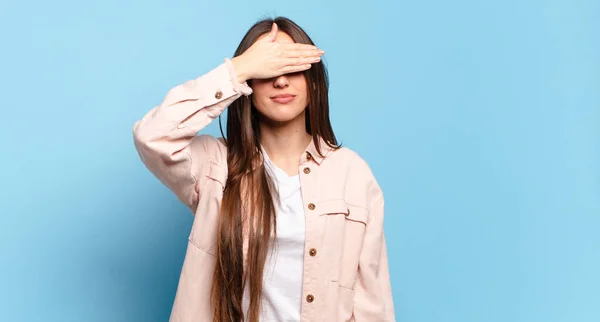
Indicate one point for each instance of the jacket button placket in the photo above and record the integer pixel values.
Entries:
(309, 185)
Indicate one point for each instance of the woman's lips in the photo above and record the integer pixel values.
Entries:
(283, 98)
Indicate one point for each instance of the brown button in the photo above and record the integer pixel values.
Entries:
(310, 298)
(311, 206)
(312, 252)
(307, 170)
(218, 95)
(308, 156)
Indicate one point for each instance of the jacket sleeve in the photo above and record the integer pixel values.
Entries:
(372, 293)
(166, 136)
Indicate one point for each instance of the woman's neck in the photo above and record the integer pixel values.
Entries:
(285, 143)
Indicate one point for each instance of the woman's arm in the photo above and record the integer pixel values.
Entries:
(166, 137)
(372, 291)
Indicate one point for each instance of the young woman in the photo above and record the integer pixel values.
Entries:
(288, 225)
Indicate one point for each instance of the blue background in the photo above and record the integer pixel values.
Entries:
(480, 119)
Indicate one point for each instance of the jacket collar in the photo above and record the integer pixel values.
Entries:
(311, 153)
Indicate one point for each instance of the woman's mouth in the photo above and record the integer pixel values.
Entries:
(283, 98)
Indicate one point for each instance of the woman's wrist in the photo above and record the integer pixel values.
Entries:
(239, 69)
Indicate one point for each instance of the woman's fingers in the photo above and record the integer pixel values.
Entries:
(304, 53)
(295, 68)
(294, 65)
(299, 50)
(302, 61)
(298, 46)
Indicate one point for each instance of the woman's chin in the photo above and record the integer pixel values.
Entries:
(283, 114)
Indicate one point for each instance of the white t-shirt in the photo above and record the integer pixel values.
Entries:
(282, 279)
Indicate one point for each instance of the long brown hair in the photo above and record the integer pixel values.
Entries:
(250, 188)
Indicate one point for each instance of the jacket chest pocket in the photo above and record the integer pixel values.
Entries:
(343, 234)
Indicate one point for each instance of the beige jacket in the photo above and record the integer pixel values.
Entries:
(346, 275)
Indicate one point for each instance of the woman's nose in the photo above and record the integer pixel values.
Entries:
(281, 82)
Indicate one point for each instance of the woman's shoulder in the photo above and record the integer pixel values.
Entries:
(349, 158)
(356, 169)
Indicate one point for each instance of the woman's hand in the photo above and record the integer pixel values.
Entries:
(267, 58)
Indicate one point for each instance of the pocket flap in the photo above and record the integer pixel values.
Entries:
(339, 206)
(359, 214)
(336, 206)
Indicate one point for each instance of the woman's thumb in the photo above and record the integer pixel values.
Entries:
(273, 33)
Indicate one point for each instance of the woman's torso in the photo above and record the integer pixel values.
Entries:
(336, 193)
